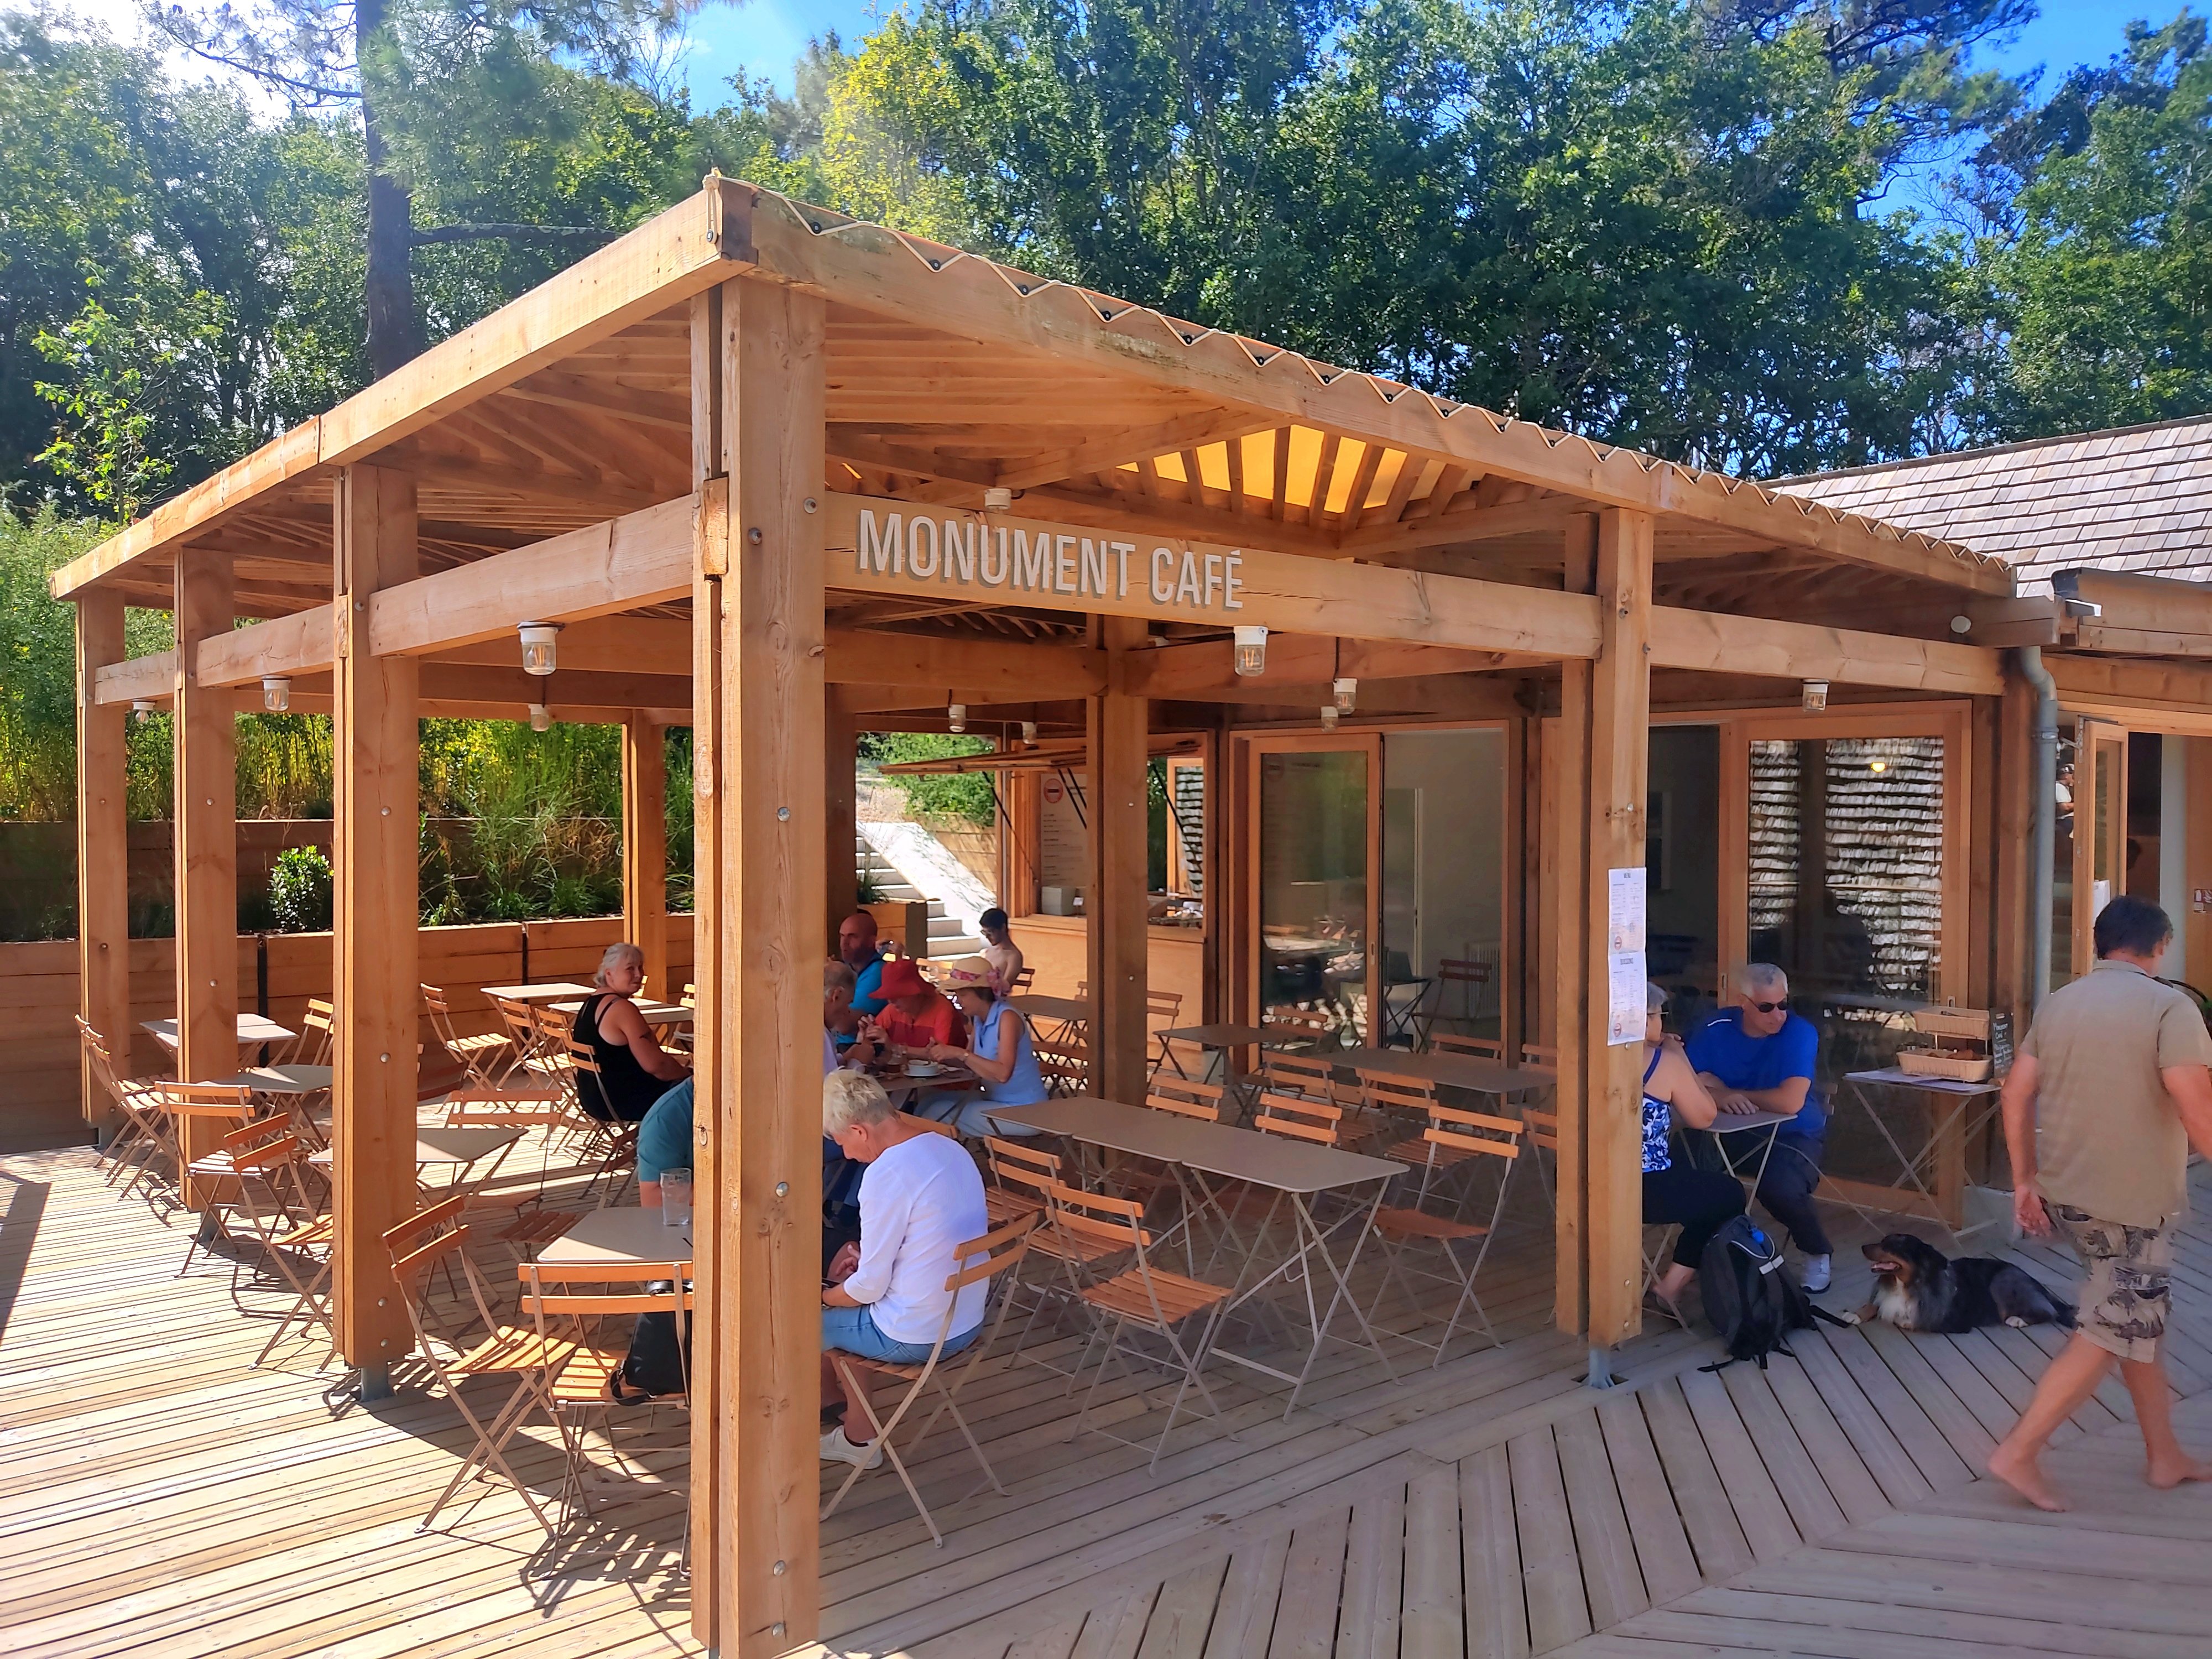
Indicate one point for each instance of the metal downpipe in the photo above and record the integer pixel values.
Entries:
(2045, 827)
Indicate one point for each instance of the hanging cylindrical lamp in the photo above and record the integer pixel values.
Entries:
(276, 692)
(539, 654)
(1251, 649)
(541, 718)
(955, 716)
(1329, 717)
(1347, 691)
(142, 706)
(1814, 697)
(1029, 732)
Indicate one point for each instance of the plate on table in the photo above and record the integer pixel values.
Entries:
(924, 1068)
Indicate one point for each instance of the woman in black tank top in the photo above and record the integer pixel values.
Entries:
(634, 1071)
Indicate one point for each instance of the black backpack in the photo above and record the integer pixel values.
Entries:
(657, 1363)
(1753, 1298)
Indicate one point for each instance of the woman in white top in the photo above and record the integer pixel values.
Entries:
(923, 1200)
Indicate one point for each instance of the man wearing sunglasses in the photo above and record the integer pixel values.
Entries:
(1759, 1057)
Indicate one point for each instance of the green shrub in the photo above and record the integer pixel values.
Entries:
(300, 890)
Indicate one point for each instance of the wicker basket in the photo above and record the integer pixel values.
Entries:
(1936, 1062)
(1971, 1024)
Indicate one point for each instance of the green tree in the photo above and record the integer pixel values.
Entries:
(2103, 246)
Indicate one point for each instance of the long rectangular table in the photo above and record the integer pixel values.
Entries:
(1450, 1071)
(1298, 1170)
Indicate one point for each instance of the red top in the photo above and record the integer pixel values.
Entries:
(938, 1022)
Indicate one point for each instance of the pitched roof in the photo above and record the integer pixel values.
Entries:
(2135, 498)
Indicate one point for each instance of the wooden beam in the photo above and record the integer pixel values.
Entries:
(713, 1576)
(974, 298)
(600, 396)
(206, 830)
(2149, 605)
(103, 910)
(645, 846)
(765, 1116)
(2147, 685)
(1120, 1041)
(1548, 516)
(1619, 760)
(640, 559)
(375, 911)
(612, 645)
(1182, 580)
(152, 678)
(297, 644)
(1110, 450)
(1006, 668)
(1566, 848)
(1301, 660)
(1710, 640)
(841, 827)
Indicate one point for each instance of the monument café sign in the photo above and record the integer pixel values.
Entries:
(1022, 557)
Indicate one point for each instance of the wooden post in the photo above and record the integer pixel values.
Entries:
(206, 830)
(1120, 1042)
(710, 546)
(1566, 842)
(765, 1102)
(840, 824)
(1620, 769)
(1524, 833)
(103, 887)
(375, 741)
(645, 848)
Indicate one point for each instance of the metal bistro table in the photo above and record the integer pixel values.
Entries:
(458, 1149)
(1298, 1170)
(1955, 1111)
(1736, 1123)
(618, 1237)
(548, 991)
(254, 1031)
(1449, 1071)
(1226, 1040)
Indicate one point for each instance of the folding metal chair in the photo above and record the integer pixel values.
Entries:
(523, 1223)
(220, 1104)
(579, 1389)
(144, 1133)
(979, 1261)
(1453, 1137)
(243, 1160)
(1305, 1072)
(435, 1239)
(1388, 1100)
(1469, 978)
(1318, 1120)
(485, 1059)
(1452, 1042)
(1540, 1057)
(1065, 1067)
(1162, 1010)
(1143, 1296)
(1030, 1173)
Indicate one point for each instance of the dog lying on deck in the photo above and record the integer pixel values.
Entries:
(1918, 1288)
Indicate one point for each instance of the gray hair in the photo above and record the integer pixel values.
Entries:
(851, 1098)
(836, 977)
(621, 951)
(1654, 998)
(1763, 976)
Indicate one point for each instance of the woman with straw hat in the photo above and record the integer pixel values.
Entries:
(999, 1052)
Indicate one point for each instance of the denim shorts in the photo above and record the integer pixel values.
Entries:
(852, 1330)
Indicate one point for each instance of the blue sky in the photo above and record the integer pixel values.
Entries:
(765, 37)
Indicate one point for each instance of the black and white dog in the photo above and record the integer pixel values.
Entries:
(1918, 1288)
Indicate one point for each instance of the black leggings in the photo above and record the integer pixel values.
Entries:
(1700, 1200)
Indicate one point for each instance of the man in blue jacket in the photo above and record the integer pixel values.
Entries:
(1759, 1057)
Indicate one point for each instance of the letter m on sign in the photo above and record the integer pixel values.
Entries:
(884, 553)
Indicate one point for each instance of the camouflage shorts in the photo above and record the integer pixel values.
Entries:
(2130, 1285)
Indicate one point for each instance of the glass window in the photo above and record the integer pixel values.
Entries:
(1312, 881)
(1444, 903)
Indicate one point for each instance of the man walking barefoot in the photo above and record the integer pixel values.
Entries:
(2109, 1092)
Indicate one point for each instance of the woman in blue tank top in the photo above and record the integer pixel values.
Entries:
(1699, 1200)
(999, 1052)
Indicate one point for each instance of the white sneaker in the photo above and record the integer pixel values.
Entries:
(1818, 1272)
(838, 1448)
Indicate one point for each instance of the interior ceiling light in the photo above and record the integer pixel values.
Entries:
(1815, 696)
(1346, 690)
(141, 706)
(1028, 731)
(1329, 717)
(1251, 649)
(997, 498)
(539, 656)
(541, 718)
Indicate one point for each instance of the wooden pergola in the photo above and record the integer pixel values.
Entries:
(781, 475)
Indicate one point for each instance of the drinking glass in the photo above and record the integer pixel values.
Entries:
(676, 1198)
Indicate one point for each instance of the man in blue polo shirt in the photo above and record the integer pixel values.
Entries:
(857, 949)
(1759, 1057)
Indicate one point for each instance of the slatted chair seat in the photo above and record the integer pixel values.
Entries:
(1000, 1206)
(583, 1380)
(1178, 1297)
(1420, 1224)
(1419, 1152)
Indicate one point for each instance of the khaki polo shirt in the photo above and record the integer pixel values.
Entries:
(2108, 1138)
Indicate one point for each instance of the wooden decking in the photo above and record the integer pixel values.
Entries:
(162, 1499)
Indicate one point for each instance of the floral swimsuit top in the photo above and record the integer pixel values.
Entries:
(1658, 1118)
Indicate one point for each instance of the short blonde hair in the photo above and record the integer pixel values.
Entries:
(617, 953)
(849, 1098)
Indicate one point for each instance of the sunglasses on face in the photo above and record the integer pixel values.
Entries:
(1769, 1007)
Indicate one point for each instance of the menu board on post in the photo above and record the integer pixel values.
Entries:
(1626, 973)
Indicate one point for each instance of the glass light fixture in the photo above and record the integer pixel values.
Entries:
(276, 692)
(541, 718)
(1347, 694)
(1877, 766)
(1251, 649)
(1329, 717)
(1028, 731)
(997, 498)
(142, 706)
(955, 716)
(539, 656)
(1816, 697)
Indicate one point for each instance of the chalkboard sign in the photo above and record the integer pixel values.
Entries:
(2000, 1044)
